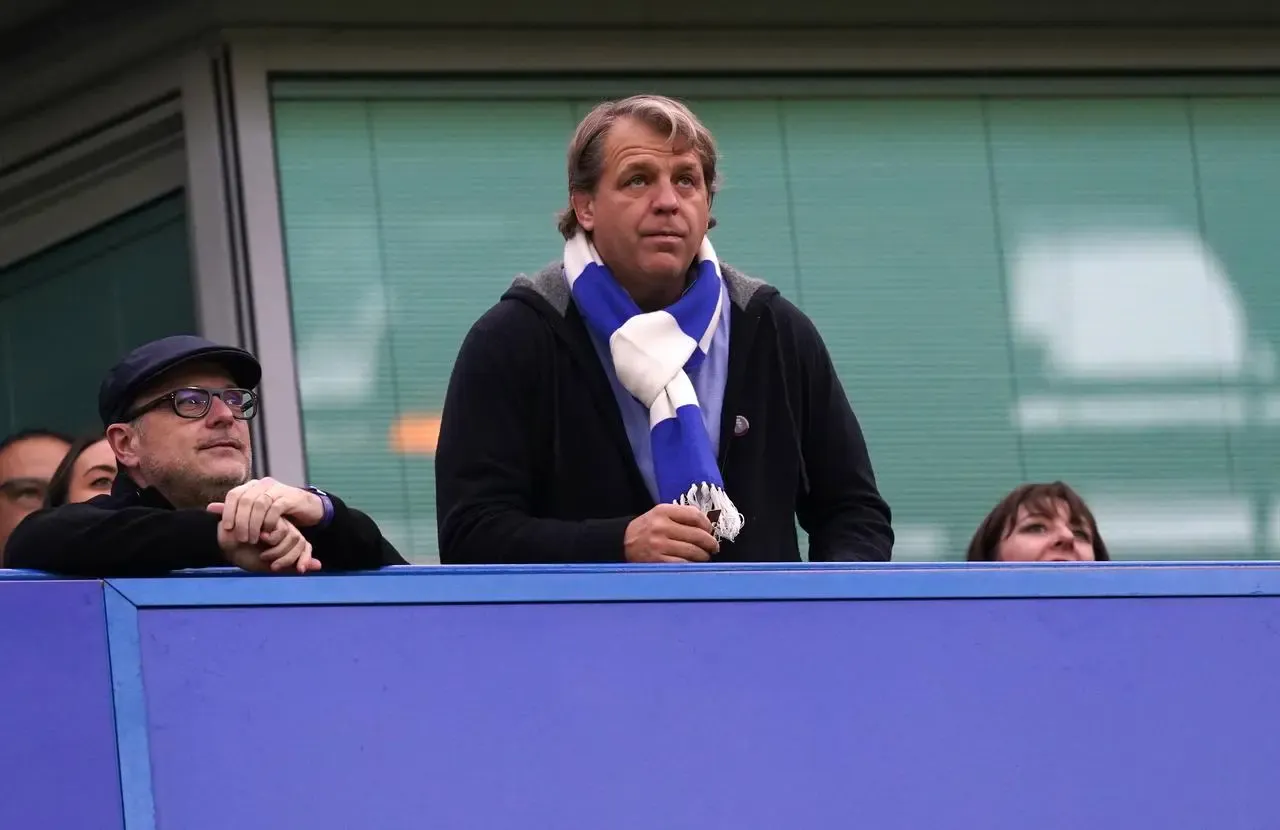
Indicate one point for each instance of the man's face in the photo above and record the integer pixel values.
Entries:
(649, 212)
(192, 461)
(25, 469)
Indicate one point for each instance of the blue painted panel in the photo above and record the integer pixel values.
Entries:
(1100, 713)
(621, 583)
(129, 696)
(57, 736)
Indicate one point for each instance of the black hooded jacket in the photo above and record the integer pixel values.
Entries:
(533, 464)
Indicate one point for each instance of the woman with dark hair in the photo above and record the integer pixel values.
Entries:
(87, 470)
(1039, 523)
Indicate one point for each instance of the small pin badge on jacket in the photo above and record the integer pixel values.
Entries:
(740, 426)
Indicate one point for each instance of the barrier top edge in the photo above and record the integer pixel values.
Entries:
(682, 583)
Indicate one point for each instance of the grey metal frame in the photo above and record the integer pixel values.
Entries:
(209, 231)
(169, 91)
(762, 87)
(875, 50)
(83, 162)
(268, 290)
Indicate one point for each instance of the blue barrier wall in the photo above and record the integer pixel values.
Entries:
(57, 732)
(753, 697)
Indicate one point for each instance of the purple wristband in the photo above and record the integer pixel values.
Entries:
(327, 503)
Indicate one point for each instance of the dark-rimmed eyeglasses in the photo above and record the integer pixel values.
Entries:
(193, 402)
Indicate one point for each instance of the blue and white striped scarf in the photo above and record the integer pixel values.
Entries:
(652, 355)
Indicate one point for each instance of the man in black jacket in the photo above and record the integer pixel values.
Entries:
(642, 401)
(176, 411)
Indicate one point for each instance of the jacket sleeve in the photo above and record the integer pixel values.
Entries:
(840, 508)
(89, 540)
(351, 541)
(488, 449)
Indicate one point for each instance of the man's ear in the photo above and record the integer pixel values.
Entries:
(584, 207)
(123, 439)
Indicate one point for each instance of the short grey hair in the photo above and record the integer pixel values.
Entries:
(586, 150)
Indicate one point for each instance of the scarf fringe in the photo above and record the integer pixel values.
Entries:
(707, 497)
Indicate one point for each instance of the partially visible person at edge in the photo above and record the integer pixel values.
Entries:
(176, 412)
(86, 472)
(1039, 523)
(641, 399)
(28, 460)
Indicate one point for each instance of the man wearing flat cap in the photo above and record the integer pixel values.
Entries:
(176, 413)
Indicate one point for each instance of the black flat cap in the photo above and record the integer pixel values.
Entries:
(150, 360)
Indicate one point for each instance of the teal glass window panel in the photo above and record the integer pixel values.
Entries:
(340, 306)
(1237, 153)
(905, 228)
(899, 270)
(1118, 317)
(69, 313)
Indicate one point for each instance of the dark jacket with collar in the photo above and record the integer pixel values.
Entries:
(533, 463)
(137, 532)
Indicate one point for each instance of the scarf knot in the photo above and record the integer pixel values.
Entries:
(652, 354)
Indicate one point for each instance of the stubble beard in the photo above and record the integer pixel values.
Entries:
(185, 488)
